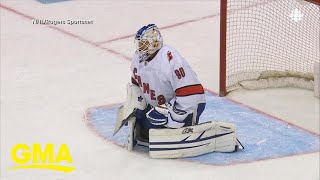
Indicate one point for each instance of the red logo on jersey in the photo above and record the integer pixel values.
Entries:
(137, 80)
(169, 55)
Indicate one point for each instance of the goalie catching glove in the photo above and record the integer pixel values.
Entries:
(161, 116)
(158, 115)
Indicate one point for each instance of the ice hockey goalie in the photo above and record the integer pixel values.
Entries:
(164, 102)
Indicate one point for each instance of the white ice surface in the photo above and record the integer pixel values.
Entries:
(48, 79)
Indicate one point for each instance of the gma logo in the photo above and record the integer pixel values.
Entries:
(34, 157)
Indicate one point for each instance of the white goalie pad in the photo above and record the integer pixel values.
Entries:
(135, 100)
(131, 138)
(193, 141)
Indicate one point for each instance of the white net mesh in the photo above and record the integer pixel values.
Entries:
(263, 35)
(317, 79)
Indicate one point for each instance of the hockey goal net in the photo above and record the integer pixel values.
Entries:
(268, 43)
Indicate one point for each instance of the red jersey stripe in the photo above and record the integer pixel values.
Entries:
(190, 90)
(134, 81)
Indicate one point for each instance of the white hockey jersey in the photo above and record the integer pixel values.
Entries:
(168, 78)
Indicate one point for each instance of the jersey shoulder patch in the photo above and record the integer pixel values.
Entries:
(169, 56)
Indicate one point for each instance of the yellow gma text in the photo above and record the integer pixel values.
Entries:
(34, 157)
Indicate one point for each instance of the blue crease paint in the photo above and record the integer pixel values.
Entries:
(51, 1)
(263, 137)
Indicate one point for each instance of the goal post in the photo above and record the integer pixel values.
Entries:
(268, 43)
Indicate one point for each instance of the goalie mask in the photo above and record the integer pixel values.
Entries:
(147, 41)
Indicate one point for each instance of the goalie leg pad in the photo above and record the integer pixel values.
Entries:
(141, 134)
(131, 138)
(193, 141)
(196, 116)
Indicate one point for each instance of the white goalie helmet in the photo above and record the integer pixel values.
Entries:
(147, 41)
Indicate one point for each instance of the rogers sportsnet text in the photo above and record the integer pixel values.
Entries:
(59, 22)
